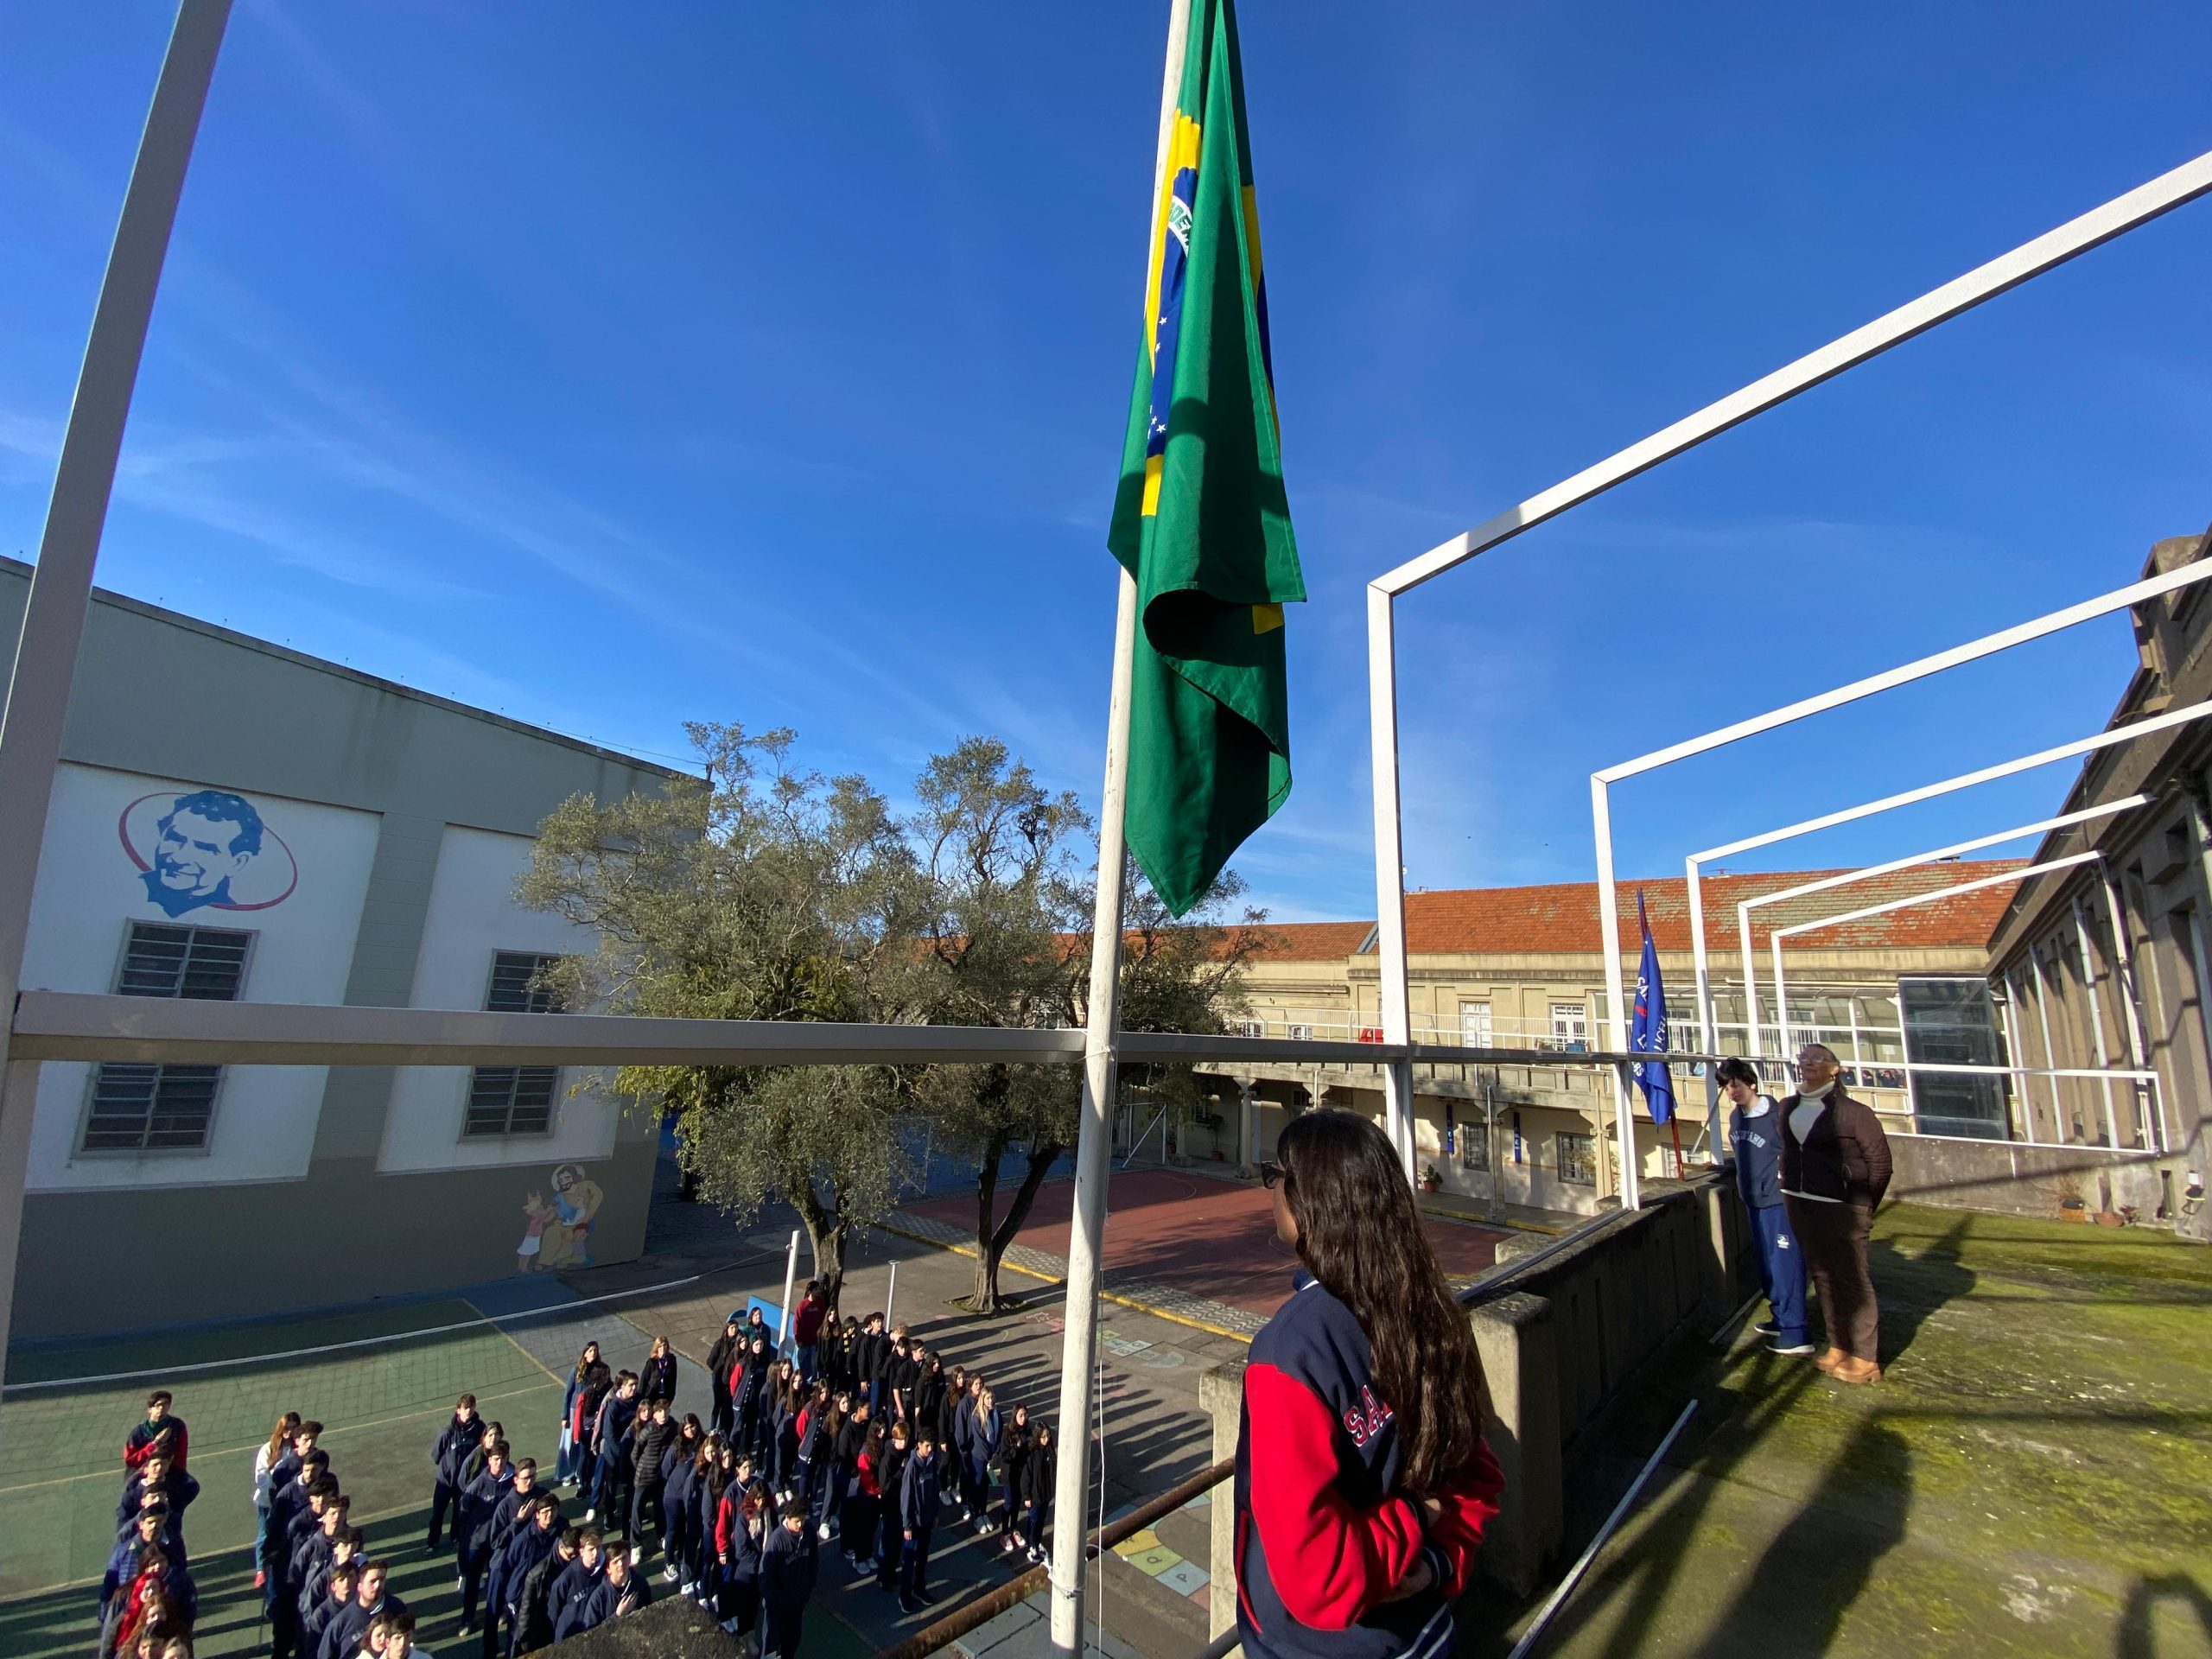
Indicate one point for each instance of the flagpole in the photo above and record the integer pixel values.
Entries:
(1094, 1139)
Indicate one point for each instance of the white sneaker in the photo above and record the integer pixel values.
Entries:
(591, 1515)
(637, 1554)
(667, 1574)
(823, 1532)
(982, 1528)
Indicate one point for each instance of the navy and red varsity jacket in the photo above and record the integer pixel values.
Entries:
(1323, 1534)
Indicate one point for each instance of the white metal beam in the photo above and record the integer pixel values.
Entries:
(1934, 855)
(1910, 900)
(68, 550)
(2054, 248)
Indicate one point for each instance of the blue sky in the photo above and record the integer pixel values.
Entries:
(612, 367)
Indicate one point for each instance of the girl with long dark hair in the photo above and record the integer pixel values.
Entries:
(727, 1353)
(570, 1461)
(1362, 1481)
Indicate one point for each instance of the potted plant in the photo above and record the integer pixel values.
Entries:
(2067, 1191)
(1431, 1179)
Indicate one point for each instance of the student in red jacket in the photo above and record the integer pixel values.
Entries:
(160, 1432)
(1362, 1483)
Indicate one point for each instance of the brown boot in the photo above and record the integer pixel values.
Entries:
(1857, 1370)
(1830, 1358)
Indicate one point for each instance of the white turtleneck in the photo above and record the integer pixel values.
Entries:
(1811, 1102)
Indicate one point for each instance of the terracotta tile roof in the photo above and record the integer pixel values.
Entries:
(1311, 941)
(1563, 918)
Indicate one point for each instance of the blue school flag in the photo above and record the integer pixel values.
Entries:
(1648, 1035)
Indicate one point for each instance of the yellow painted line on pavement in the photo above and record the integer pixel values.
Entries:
(1116, 1297)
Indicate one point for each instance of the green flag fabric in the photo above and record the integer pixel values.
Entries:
(1200, 516)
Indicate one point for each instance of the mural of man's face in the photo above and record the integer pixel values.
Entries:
(194, 855)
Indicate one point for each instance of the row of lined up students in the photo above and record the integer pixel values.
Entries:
(759, 1400)
(863, 1436)
(147, 1600)
(324, 1596)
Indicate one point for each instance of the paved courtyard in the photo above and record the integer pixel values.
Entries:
(1196, 1234)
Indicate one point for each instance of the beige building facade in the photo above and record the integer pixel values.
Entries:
(1521, 969)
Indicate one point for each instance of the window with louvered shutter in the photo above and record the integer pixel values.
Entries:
(505, 1099)
(137, 1107)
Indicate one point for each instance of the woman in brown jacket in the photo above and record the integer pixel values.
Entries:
(1835, 1166)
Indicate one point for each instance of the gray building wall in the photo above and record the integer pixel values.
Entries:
(163, 694)
(2160, 861)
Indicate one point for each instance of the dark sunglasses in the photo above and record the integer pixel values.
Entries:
(1271, 1172)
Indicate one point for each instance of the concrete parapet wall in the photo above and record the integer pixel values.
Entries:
(2017, 1180)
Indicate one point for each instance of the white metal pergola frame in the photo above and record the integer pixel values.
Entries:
(2104, 1073)
(1708, 1027)
(2031, 259)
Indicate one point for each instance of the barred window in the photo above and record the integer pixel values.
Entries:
(1578, 1158)
(510, 1100)
(207, 963)
(514, 1099)
(151, 1107)
(517, 986)
(137, 1107)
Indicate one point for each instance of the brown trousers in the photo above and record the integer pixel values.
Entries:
(1834, 1237)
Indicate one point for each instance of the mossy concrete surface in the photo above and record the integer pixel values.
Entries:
(2033, 1475)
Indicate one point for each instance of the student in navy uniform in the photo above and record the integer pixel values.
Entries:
(537, 1535)
(314, 1581)
(1362, 1483)
(478, 1514)
(863, 1505)
(454, 1442)
(573, 1585)
(621, 1590)
(345, 1579)
(618, 1416)
(657, 1377)
(1013, 1447)
(517, 1506)
(806, 1330)
(740, 1536)
(788, 1566)
(649, 1442)
(122, 1562)
(719, 1358)
(312, 1557)
(920, 1498)
(1040, 1470)
(534, 1604)
(752, 1403)
(890, 1478)
(869, 1354)
(1755, 1133)
(679, 1474)
(342, 1638)
(160, 1480)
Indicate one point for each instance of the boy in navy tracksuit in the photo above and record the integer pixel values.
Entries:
(1322, 1531)
(920, 1495)
(447, 1453)
(1755, 1133)
(788, 1565)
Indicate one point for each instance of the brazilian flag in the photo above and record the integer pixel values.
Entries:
(1200, 517)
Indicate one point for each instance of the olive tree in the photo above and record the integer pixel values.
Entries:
(765, 892)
